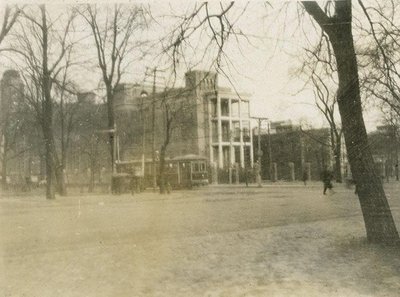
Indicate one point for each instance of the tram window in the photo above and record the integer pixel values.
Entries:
(198, 167)
(202, 166)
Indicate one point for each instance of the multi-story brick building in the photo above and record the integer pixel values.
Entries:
(208, 121)
(16, 130)
(384, 146)
(288, 152)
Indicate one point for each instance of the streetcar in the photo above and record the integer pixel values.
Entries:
(181, 172)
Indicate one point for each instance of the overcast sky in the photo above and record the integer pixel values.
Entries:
(263, 67)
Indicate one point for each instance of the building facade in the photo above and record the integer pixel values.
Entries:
(384, 146)
(207, 120)
(16, 131)
(289, 152)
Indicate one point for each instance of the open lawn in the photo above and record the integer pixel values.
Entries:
(279, 240)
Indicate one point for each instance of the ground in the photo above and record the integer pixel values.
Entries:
(279, 240)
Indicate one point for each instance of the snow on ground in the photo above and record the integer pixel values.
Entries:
(249, 255)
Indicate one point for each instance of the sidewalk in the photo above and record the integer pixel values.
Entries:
(274, 184)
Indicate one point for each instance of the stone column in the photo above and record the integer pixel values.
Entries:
(237, 166)
(214, 173)
(308, 170)
(274, 173)
(219, 129)
(257, 169)
(291, 168)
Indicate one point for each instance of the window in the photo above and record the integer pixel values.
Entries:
(214, 131)
(236, 131)
(215, 154)
(225, 153)
(199, 167)
(213, 107)
(237, 154)
(246, 131)
(224, 107)
(225, 131)
(244, 109)
(247, 157)
(235, 108)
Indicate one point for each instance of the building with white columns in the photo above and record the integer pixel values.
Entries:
(215, 121)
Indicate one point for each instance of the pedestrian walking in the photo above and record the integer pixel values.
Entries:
(169, 188)
(326, 177)
(305, 177)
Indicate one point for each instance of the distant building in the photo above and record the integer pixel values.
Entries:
(12, 141)
(384, 146)
(287, 148)
(86, 97)
(11, 90)
(211, 121)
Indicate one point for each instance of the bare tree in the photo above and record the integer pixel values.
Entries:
(67, 108)
(175, 115)
(380, 57)
(15, 122)
(380, 66)
(9, 18)
(336, 22)
(320, 69)
(42, 43)
(10, 15)
(378, 219)
(89, 119)
(326, 101)
(113, 31)
(169, 116)
(386, 139)
(216, 25)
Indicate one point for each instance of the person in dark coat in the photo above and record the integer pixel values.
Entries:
(326, 177)
(305, 177)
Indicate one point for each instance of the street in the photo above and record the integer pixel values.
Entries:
(211, 241)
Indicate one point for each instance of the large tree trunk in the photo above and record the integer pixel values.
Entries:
(47, 123)
(378, 219)
(92, 170)
(162, 171)
(49, 165)
(63, 170)
(61, 186)
(4, 170)
(111, 126)
(338, 162)
(48, 140)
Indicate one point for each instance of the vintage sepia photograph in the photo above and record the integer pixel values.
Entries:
(180, 148)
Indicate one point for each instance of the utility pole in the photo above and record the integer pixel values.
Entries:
(153, 126)
(259, 152)
(396, 148)
(114, 131)
(143, 95)
(153, 120)
(230, 157)
(271, 173)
